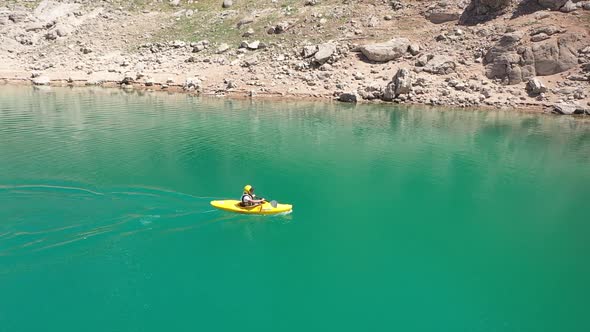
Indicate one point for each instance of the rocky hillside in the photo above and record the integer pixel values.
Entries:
(500, 53)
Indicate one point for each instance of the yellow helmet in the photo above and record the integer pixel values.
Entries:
(248, 188)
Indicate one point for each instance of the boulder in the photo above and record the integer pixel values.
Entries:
(514, 63)
(552, 4)
(18, 16)
(535, 86)
(556, 55)
(487, 6)
(383, 52)
(253, 45)
(349, 97)
(281, 27)
(222, 48)
(227, 3)
(325, 51)
(396, 5)
(49, 11)
(309, 50)
(371, 92)
(548, 30)
(400, 84)
(192, 83)
(248, 32)
(35, 27)
(567, 109)
(478, 9)
(438, 17)
(175, 3)
(178, 44)
(539, 37)
(63, 29)
(568, 7)
(440, 65)
(414, 49)
(41, 80)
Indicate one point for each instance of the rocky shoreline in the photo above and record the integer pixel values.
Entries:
(468, 54)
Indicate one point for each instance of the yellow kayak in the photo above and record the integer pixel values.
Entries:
(265, 208)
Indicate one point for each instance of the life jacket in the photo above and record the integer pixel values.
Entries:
(244, 202)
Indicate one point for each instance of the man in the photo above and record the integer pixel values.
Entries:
(248, 197)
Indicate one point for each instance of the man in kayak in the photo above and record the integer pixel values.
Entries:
(248, 197)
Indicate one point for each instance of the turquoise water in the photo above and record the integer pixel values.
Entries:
(404, 219)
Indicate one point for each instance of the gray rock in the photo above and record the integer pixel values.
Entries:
(245, 20)
(578, 78)
(149, 81)
(311, 2)
(281, 27)
(41, 80)
(192, 83)
(400, 84)
(227, 3)
(52, 35)
(567, 109)
(178, 44)
(349, 97)
(439, 17)
(422, 60)
(309, 50)
(222, 48)
(63, 29)
(248, 32)
(514, 63)
(482, 8)
(548, 30)
(325, 51)
(535, 86)
(388, 17)
(198, 48)
(552, 4)
(18, 16)
(35, 27)
(250, 45)
(396, 5)
(586, 5)
(383, 52)
(440, 65)
(555, 56)
(371, 92)
(86, 50)
(568, 7)
(414, 49)
(175, 3)
(230, 84)
(539, 37)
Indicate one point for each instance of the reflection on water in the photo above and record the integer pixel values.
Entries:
(474, 219)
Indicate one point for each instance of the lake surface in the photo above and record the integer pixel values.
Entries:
(404, 219)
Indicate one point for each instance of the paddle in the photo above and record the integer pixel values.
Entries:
(273, 203)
